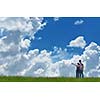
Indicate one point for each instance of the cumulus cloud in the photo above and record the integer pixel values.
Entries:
(22, 24)
(78, 42)
(79, 22)
(91, 57)
(12, 23)
(13, 45)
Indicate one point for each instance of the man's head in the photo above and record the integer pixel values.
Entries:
(80, 61)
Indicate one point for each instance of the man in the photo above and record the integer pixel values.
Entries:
(81, 68)
(77, 69)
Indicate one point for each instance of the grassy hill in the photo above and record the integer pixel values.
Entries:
(46, 79)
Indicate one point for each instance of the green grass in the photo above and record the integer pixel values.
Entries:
(47, 79)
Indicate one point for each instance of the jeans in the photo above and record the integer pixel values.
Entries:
(81, 75)
(77, 74)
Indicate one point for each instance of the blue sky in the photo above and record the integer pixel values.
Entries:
(60, 33)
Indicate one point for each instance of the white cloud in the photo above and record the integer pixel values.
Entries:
(91, 57)
(41, 64)
(39, 38)
(56, 18)
(78, 42)
(93, 73)
(59, 54)
(22, 24)
(33, 53)
(13, 46)
(36, 62)
(16, 23)
(25, 43)
(3, 67)
(39, 71)
(79, 22)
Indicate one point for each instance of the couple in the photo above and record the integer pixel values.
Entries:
(79, 69)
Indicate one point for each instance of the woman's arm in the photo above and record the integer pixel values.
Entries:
(73, 64)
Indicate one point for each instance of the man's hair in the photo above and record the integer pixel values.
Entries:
(78, 64)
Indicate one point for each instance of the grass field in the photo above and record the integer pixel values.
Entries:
(47, 79)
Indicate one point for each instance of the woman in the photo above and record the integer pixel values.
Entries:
(77, 70)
